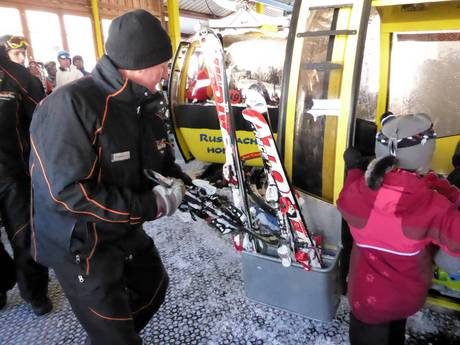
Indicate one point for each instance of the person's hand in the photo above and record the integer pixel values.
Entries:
(169, 198)
(353, 159)
(186, 179)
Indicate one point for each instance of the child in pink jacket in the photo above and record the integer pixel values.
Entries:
(396, 212)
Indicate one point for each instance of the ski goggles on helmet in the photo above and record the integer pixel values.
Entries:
(16, 42)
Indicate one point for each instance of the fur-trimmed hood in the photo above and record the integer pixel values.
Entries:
(377, 169)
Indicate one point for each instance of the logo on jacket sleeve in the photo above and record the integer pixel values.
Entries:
(120, 156)
(161, 144)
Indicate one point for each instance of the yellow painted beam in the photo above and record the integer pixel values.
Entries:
(443, 302)
(173, 23)
(97, 28)
(382, 98)
(291, 109)
(331, 139)
(436, 16)
(260, 8)
(381, 3)
(442, 158)
(346, 96)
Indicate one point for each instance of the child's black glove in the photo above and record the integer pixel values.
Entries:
(353, 159)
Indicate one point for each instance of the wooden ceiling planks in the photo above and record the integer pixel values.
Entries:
(107, 8)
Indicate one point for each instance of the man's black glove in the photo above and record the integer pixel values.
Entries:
(353, 159)
(186, 179)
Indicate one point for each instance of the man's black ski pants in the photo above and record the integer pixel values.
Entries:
(113, 288)
(32, 277)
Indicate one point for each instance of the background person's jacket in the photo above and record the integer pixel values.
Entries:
(393, 228)
(64, 76)
(20, 92)
(87, 162)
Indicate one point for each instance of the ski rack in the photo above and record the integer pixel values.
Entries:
(296, 244)
(297, 238)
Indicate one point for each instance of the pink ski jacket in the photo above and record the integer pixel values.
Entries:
(393, 228)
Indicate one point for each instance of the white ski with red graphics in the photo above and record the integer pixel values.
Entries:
(298, 242)
(232, 170)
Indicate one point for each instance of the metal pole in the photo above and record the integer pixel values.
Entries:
(97, 28)
(276, 4)
(260, 8)
(173, 23)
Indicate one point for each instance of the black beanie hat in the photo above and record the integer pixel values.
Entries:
(137, 41)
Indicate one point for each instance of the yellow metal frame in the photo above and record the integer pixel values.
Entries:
(260, 8)
(292, 91)
(346, 97)
(381, 3)
(180, 99)
(436, 16)
(443, 302)
(97, 28)
(340, 84)
(331, 131)
(173, 23)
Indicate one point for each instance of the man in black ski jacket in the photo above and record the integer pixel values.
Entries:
(90, 195)
(19, 94)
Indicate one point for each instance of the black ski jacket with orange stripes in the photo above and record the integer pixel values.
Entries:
(89, 142)
(19, 94)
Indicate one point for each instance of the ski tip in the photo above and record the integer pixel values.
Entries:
(254, 100)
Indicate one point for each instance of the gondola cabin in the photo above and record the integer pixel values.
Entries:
(345, 64)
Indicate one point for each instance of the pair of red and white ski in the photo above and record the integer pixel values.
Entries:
(296, 242)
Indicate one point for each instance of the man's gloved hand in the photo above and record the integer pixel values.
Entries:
(186, 179)
(353, 159)
(169, 198)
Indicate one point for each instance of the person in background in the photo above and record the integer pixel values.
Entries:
(78, 62)
(395, 213)
(16, 48)
(38, 70)
(66, 71)
(50, 67)
(199, 89)
(90, 191)
(20, 92)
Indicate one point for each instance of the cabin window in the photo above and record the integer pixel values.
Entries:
(105, 23)
(11, 22)
(46, 39)
(80, 39)
(316, 72)
(425, 75)
(368, 88)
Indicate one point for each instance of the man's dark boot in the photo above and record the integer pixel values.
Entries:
(42, 307)
(2, 300)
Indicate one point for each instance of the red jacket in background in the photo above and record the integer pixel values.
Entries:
(393, 228)
(200, 88)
